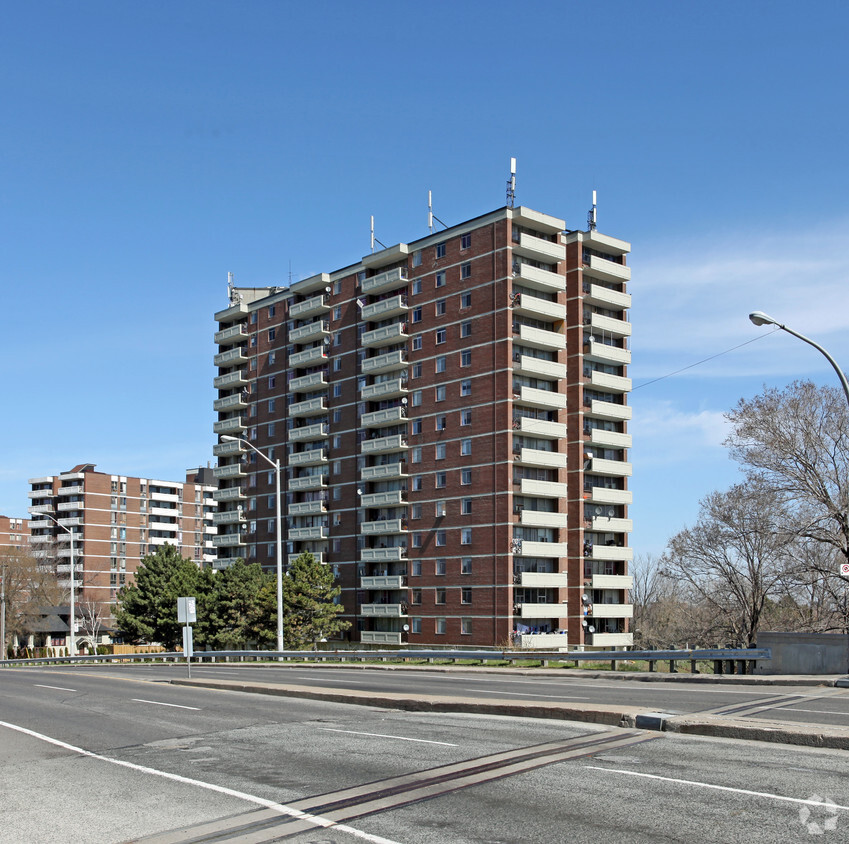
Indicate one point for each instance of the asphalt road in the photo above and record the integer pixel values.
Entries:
(141, 757)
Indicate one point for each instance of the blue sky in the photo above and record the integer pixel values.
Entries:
(149, 148)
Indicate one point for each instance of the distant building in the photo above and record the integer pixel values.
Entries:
(451, 417)
(117, 520)
(14, 532)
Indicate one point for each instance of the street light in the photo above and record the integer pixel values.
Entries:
(276, 465)
(73, 621)
(760, 318)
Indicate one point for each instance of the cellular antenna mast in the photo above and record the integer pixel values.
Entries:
(591, 216)
(430, 215)
(373, 238)
(511, 184)
(233, 296)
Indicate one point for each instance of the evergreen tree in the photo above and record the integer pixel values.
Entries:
(310, 613)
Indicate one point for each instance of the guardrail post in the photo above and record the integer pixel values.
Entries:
(613, 664)
(672, 667)
(693, 667)
(651, 666)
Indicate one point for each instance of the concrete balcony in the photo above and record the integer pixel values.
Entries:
(40, 508)
(538, 368)
(543, 641)
(603, 353)
(393, 498)
(64, 506)
(311, 407)
(75, 489)
(228, 517)
(225, 540)
(541, 309)
(230, 336)
(384, 581)
(384, 445)
(233, 493)
(308, 357)
(543, 580)
(165, 496)
(543, 489)
(311, 307)
(544, 399)
(613, 611)
(309, 333)
(602, 495)
(383, 610)
(230, 426)
(308, 433)
(382, 418)
(314, 284)
(304, 534)
(380, 637)
(313, 457)
(539, 338)
(307, 483)
(308, 383)
(227, 449)
(611, 383)
(609, 641)
(538, 457)
(306, 508)
(537, 249)
(609, 410)
(610, 325)
(609, 439)
(612, 581)
(391, 389)
(232, 357)
(230, 380)
(382, 282)
(382, 555)
(539, 279)
(526, 548)
(38, 539)
(541, 428)
(319, 557)
(541, 518)
(385, 308)
(71, 521)
(547, 611)
(606, 270)
(386, 335)
(383, 527)
(231, 314)
(616, 553)
(605, 524)
(386, 472)
(41, 493)
(614, 468)
(596, 294)
(387, 362)
(238, 401)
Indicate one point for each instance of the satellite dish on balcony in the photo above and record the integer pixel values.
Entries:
(404, 400)
(406, 628)
(591, 629)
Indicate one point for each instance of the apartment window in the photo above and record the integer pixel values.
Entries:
(337, 312)
(337, 415)
(466, 626)
(466, 270)
(465, 565)
(417, 426)
(417, 596)
(466, 300)
(416, 286)
(441, 538)
(254, 318)
(272, 333)
(417, 343)
(440, 392)
(415, 625)
(337, 545)
(466, 506)
(337, 287)
(439, 626)
(440, 250)
(272, 309)
(441, 423)
(417, 370)
(337, 391)
(416, 511)
(441, 509)
(416, 314)
(440, 451)
(337, 519)
(253, 411)
(337, 364)
(337, 338)
(269, 502)
(465, 241)
(466, 329)
(440, 336)
(272, 382)
(466, 387)
(337, 467)
(466, 477)
(441, 363)
(466, 536)
(416, 568)
(417, 258)
(272, 357)
(337, 493)
(253, 341)
(440, 480)
(416, 455)
(270, 429)
(440, 279)
(441, 567)
(466, 357)
(337, 441)
(271, 526)
(271, 405)
(465, 417)
(440, 595)
(466, 595)
(441, 307)
(416, 540)
(417, 485)
(417, 398)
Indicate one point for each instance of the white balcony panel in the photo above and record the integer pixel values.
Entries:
(380, 637)
(540, 518)
(231, 379)
(541, 428)
(228, 517)
(310, 332)
(71, 520)
(613, 383)
(231, 357)
(232, 313)
(75, 489)
(596, 294)
(539, 308)
(313, 381)
(557, 611)
(387, 362)
(543, 641)
(543, 580)
(234, 493)
(311, 407)
(314, 284)
(383, 610)
(224, 540)
(392, 389)
(226, 449)
(609, 410)
(313, 457)
(382, 418)
(231, 335)
(64, 506)
(239, 401)
(612, 581)
(601, 495)
(545, 399)
(604, 524)
(610, 325)
(606, 270)
(385, 308)
(616, 468)
(537, 220)
(309, 482)
(384, 445)
(543, 489)
(39, 539)
(608, 641)
(384, 581)
(385, 472)
(606, 354)
(384, 281)
(541, 549)
(230, 426)
(382, 555)
(308, 357)
(303, 534)
(306, 508)
(610, 439)
(539, 338)
(40, 508)
(392, 498)
(308, 432)
(540, 279)
(318, 555)
(538, 368)
(383, 527)
(613, 610)
(385, 335)
(537, 249)
(545, 459)
(40, 493)
(616, 553)
(313, 306)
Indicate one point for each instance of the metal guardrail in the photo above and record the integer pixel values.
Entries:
(725, 660)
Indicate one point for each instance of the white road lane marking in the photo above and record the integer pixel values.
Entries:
(160, 703)
(317, 820)
(564, 696)
(58, 688)
(767, 794)
(332, 680)
(818, 711)
(383, 735)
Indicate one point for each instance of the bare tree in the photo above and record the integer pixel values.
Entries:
(91, 617)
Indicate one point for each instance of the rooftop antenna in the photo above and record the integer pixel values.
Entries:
(511, 184)
(430, 215)
(373, 238)
(591, 216)
(232, 294)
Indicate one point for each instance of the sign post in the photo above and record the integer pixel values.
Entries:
(187, 613)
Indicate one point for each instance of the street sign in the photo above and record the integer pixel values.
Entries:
(188, 644)
(844, 569)
(186, 610)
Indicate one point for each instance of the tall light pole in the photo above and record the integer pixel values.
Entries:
(276, 465)
(72, 621)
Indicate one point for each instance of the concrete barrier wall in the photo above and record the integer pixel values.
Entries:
(804, 653)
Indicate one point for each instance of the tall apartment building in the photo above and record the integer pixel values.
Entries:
(14, 532)
(116, 521)
(451, 415)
